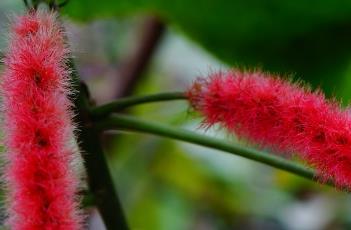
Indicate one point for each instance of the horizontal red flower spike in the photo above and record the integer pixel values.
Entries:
(278, 114)
(38, 131)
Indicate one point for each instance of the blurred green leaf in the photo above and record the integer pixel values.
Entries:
(307, 38)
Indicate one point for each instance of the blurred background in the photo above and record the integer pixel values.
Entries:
(137, 47)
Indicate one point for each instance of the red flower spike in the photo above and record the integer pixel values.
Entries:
(38, 131)
(278, 114)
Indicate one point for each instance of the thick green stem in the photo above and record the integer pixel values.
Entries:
(134, 124)
(99, 179)
(123, 103)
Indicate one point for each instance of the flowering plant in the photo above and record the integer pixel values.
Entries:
(51, 125)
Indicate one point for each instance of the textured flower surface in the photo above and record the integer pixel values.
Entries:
(278, 114)
(38, 130)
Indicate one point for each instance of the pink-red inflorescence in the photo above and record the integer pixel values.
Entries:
(278, 114)
(37, 127)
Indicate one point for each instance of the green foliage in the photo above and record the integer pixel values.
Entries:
(306, 38)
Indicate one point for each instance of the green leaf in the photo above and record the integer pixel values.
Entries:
(308, 38)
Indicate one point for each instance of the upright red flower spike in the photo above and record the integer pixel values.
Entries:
(281, 115)
(38, 131)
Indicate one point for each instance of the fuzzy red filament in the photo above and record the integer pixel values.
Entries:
(278, 114)
(37, 127)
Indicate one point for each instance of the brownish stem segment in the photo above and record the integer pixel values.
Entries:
(133, 69)
(1, 59)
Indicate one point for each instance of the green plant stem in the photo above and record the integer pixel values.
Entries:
(26, 3)
(99, 179)
(138, 125)
(115, 106)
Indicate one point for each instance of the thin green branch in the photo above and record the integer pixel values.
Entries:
(123, 103)
(63, 3)
(138, 125)
(26, 3)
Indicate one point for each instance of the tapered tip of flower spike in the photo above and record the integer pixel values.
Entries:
(195, 93)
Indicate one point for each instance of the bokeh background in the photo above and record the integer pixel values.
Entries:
(136, 47)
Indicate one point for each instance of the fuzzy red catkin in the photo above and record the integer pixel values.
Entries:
(38, 131)
(278, 114)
